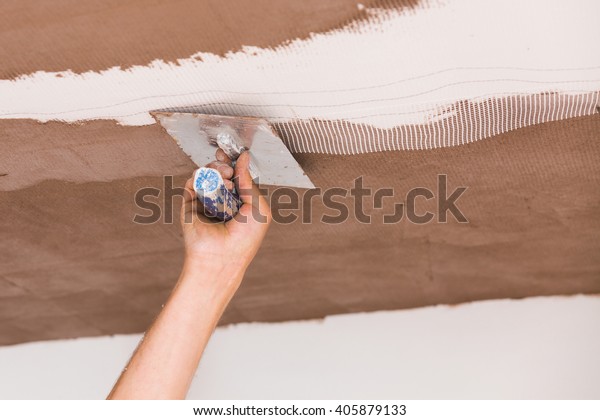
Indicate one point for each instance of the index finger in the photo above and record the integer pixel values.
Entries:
(188, 191)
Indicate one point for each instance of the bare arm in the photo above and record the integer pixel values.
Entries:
(217, 255)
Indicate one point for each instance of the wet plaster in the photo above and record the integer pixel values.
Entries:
(56, 36)
(73, 263)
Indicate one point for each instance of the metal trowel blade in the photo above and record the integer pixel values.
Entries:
(271, 163)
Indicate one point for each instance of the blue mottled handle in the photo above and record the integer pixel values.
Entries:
(218, 201)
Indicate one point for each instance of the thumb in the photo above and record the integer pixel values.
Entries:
(254, 204)
(244, 184)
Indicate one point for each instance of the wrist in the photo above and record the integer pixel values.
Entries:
(216, 279)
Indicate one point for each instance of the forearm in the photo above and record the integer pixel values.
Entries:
(164, 363)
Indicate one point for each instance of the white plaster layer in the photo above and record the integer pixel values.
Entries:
(398, 68)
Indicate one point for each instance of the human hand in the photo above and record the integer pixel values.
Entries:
(225, 248)
(216, 257)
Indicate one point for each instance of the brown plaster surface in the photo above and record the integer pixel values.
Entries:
(72, 263)
(99, 150)
(81, 35)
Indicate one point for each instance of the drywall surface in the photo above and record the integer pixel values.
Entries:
(531, 348)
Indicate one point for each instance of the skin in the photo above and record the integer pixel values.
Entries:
(216, 258)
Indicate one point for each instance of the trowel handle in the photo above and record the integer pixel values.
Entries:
(217, 200)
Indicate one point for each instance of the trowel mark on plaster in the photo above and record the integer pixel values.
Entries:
(385, 98)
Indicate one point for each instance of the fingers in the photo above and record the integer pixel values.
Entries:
(249, 192)
(223, 165)
(255, 206)
(188, 191)
(189, 206)
(243, 180)
(222, 156)
(224, 169)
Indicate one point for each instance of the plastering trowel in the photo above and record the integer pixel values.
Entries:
(199, 135)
